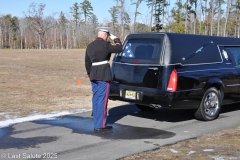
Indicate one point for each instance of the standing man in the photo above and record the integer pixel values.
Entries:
(97, 65)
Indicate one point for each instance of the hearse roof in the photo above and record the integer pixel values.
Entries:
(188, 49)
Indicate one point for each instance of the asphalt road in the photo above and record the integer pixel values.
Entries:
(72, 137)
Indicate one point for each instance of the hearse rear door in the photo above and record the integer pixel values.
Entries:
(233, 58)
(138, 64)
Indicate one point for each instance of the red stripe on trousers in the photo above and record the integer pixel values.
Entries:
(105, 106)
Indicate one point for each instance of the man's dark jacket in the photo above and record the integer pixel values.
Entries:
(99, 51)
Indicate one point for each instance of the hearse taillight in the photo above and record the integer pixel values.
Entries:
(172, 83)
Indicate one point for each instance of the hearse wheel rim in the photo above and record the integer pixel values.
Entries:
(211, 104)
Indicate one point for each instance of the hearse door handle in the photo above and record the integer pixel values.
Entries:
(153, 68)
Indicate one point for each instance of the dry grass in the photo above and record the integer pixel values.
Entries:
(223, 145)
(43, 81)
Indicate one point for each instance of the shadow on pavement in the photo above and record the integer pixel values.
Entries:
(84, 125)
(7, 141)
(80, 125)
(161, 114)
(230, 108)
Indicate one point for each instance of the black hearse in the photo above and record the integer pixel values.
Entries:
(180, 71)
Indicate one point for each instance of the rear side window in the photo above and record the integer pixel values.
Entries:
(141, 51)
(234, 54)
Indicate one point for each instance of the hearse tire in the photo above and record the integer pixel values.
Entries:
(210, 105)
(144, 108)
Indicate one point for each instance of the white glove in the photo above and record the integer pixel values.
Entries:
(112, 36)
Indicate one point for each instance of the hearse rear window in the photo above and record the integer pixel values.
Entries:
(141, 51)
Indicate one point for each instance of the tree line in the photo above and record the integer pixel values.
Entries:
(36, 31)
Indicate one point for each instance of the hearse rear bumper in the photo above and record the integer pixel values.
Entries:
(145, 96)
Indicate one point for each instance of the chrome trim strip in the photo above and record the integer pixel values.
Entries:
(209, 70)
(153, 68)
(232, 85)
(166, 65)
(137, 64)
(187, 90)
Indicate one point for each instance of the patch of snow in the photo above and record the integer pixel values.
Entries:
(173, 151)
(208, 150)
(8, 114)
(218, 158)
(191, 152)
(52, 115)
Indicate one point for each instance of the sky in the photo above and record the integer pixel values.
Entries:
(54, 7)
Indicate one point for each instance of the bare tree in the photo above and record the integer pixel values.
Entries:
(205, 15)
(151, 4)
(75, 11)
(22, 26)
(236, 14)
(219, 4)
(1, 32)
(124, 17)
(212, 17)
(200, 18)
(227, 17)
(194, 3)
(136, 13)
(186, 16)
(38, 23)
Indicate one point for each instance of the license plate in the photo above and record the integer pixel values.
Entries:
(130, 94)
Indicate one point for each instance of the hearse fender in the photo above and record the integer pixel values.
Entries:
(217, 83)
(213, 82)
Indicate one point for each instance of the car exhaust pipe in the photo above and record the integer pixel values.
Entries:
(155, 106)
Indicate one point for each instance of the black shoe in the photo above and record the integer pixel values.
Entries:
(107, 128)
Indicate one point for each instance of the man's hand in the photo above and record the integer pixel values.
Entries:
(112, 36)
(115, 39)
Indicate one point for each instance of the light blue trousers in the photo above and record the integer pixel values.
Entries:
(100, 90)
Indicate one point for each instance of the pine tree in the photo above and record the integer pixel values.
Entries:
(124, 17)
(158, 7)
(74, 10)
(178, 25)
(62, 26)
(93, 20)
(114, 16)
(86, 9)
